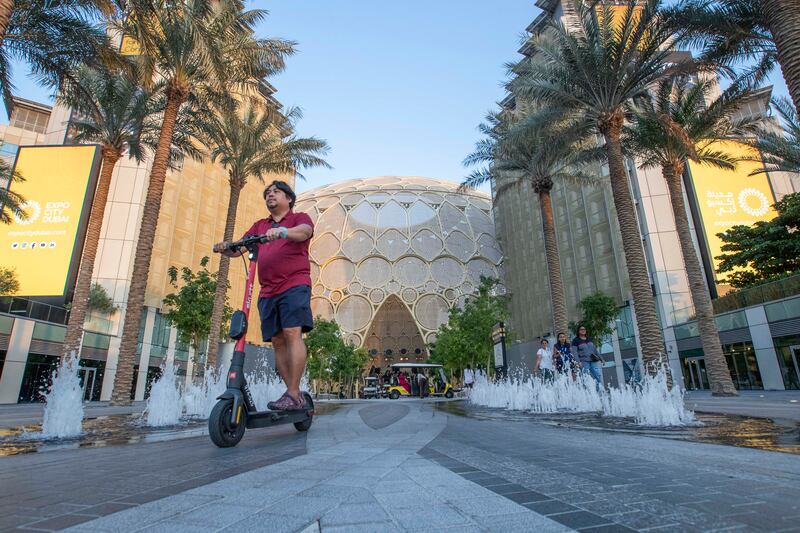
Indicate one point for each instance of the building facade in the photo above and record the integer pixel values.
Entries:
(590, 248)
(391, 255)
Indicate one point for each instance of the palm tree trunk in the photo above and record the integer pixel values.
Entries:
(144, 251)
(6, 9)
(783, 19)
(222, 276)
(559, 301)
(80, 298)
(650, 334)
(718, 373)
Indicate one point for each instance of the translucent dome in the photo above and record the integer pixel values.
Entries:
(391, 255)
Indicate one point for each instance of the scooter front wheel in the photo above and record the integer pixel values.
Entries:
(222, 433)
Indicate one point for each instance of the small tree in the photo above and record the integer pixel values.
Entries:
(347, 365)
(322, 343)
(189, 309)
(9, 284)
(466, 338)
(766, 250)
(597, 311)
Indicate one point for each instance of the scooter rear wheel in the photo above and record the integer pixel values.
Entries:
(219, 425)
(305, 425)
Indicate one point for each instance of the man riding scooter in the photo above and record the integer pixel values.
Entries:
(284, 273)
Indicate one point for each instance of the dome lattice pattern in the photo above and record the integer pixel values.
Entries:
(389, 246)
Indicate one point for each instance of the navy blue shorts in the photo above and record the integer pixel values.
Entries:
(289, 309)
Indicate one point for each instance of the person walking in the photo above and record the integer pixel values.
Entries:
(469, 377)
(422, 383)
(543, 366)
(585, 353)
(562, 354)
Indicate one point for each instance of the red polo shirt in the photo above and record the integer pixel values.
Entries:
(282, 264)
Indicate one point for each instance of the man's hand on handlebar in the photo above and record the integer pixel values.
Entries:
(275, 234)
(224, 248)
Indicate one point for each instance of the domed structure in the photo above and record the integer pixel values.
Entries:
(391, 255)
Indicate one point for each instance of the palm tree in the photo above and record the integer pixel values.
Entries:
(12, 204)
(252, 142)
(597, 72)
(780, 152)
(52, 37)
(111, 109)
(200, 50)
(762, 32)
(538, 151)
(674, 126)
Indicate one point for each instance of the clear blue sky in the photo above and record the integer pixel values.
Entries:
(395, 87)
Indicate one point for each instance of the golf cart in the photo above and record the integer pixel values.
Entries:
(438, 385)
(370, 389)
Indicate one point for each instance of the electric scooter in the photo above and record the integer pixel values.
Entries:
(235, 411)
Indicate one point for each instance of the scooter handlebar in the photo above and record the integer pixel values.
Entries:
(247, 241)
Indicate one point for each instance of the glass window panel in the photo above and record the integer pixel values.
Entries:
(460, 201)
(379, 198)
(422, 215)
(487, 247)
(374, 272)
(452, 219)
(354, 313)
(411, 271)
(338, 273)
(432, 198)
(481, 223)
(427, 244)
(363, 216)
(331, 220)
(392, 215)
(405, 197)
(321, 307)
(358, 245)
(326, 202)
(480, 267)
(447, 272)
(460, 245)
(392, 244)
(431, 311)
(324, 247)
(352, 199)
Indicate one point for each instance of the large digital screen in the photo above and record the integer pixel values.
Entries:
(58, 189)
(727, 198)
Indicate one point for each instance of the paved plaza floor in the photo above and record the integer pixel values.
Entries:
(402, 466)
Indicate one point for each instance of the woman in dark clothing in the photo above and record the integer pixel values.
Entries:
(562, 354)
(585, 352)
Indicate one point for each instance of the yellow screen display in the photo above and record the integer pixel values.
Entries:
(57, 180)
(727, 198)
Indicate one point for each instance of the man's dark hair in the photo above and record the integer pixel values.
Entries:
(283, 186)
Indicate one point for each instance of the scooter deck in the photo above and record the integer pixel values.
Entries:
(261, 419)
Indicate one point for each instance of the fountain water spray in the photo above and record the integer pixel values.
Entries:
(63, 413)
(199, 399)
(649, 402)
(168, 402)
(165, 405)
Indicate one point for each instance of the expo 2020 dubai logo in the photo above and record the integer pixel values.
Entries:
(32, 208)
(753, 202)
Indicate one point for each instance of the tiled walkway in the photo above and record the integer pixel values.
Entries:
(352, 478)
